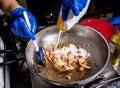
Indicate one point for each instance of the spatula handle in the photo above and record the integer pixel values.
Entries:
(36, 46)
(26, 19)
(29, 26)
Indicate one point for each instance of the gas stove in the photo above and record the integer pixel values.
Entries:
(17, 75)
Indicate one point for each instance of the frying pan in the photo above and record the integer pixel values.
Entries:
(79, 34)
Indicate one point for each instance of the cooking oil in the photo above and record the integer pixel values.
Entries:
(71, 19)
(60, 24)
(64, 26)
(58, 40)
(115, 56)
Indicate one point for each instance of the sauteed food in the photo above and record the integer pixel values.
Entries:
(65, 58)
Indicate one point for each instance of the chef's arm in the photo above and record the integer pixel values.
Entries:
(18, 23)
(8, 6)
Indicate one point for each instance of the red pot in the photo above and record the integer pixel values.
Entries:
(105, 28)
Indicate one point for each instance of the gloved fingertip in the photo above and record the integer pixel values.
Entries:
(76, 11)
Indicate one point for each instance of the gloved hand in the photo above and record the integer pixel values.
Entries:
(115, 21)
(76, 6)
(19, 26)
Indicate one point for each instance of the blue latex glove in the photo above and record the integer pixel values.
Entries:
(76, 6)
(19, 26)
(115, 21)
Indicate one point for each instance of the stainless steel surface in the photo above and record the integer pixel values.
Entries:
(104, 82)
(109, 72)
(80, 34)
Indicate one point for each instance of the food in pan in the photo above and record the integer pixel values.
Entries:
(67, 58)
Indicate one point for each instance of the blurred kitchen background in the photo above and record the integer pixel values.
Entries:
(101, 9)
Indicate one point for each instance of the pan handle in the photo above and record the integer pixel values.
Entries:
(96, 80)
